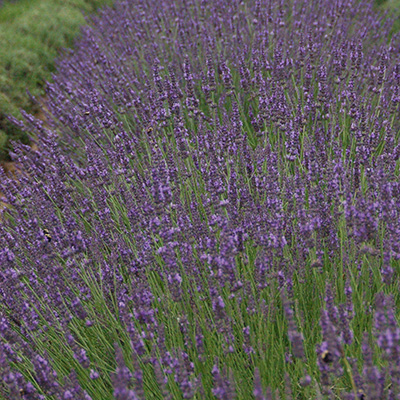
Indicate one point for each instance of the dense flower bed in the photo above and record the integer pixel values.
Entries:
(214, 211)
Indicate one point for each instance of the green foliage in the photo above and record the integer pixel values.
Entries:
(395, 6)
(28, 51)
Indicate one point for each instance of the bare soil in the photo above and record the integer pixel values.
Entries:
(10, 167)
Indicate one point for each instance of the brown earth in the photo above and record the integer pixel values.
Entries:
(9, 167)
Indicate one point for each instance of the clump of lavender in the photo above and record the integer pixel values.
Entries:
(213, 211)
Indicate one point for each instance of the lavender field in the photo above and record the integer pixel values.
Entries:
(213, 211)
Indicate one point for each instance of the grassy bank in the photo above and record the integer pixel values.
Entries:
(395, 6)
(27, 52)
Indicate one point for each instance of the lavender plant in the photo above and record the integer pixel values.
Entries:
(214, 209)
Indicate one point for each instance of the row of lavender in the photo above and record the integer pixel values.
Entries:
(214, 209)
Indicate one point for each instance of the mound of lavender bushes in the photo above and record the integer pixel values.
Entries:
(213, 211)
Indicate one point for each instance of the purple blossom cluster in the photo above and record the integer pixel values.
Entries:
(214, 211)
